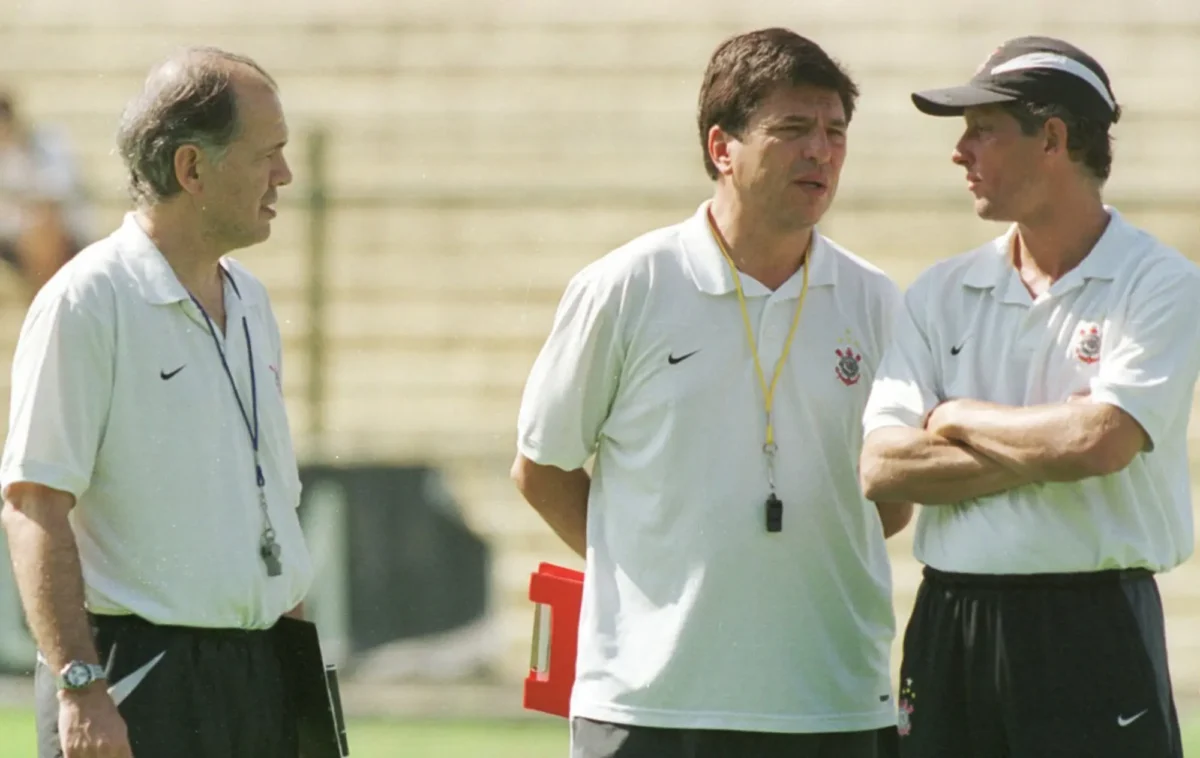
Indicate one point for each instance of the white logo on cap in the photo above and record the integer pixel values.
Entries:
(1058, 63)
(983, 65)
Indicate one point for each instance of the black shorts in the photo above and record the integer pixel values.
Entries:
(1041, 666)
(597, 739)
(211, 694)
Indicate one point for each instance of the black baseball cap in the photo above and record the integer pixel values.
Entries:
(1039, 70)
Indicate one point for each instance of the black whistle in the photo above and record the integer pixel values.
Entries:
(774, 514)
(270, 552)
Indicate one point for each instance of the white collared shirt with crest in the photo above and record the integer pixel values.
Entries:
(120, 399)
(694, 615)
(1121, 324)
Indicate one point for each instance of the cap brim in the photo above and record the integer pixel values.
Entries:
(950, 101)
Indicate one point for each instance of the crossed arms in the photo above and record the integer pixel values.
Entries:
(923, 446)
(970, 448)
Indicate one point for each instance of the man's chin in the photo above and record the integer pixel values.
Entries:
(261, 233)
(989, 211)
(809, 214)
(250, 238)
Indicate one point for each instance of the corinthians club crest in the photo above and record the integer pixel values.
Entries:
(849, 360)
(1087, 344)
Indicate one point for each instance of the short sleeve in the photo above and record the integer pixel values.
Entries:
(62, 379)
(905, 386)
(574, 378)
(1149, 364)
(890, 313)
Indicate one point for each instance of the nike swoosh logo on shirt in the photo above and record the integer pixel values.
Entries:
(124, 688)
(673, 360)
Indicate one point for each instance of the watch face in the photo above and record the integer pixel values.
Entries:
(77, 676)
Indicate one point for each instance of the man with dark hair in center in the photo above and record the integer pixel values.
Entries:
(737, 599)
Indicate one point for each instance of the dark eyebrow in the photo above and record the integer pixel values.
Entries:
(795, 121)
(805, 121)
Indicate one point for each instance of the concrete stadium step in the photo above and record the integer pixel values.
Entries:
(359, 46)
(465, 240)
(410, 371)
(379, 424)
(51, 13)
(515, 67)
(448, 318)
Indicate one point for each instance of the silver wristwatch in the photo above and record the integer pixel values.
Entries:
(76, 675)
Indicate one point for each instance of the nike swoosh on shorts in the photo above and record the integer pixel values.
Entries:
(124, 688)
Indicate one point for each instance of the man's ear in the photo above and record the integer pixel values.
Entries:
(1056, 135)
(719, 144)
(189, 167)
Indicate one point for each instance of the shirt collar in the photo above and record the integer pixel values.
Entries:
(994, 269)
(151, 273)
(708, 269)
(1110, 252)
(153, 276)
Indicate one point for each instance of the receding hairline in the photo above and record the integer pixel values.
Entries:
(240, 68)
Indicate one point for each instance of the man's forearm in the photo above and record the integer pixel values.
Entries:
(560, 498)
(894, 517)
(49, 578)
(1061, 442)
(902, 464)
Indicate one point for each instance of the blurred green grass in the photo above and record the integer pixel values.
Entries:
(535, 738)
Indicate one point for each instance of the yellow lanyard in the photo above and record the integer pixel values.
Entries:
(768, 391)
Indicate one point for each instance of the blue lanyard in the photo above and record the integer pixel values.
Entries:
(251, 428)
(269, 549)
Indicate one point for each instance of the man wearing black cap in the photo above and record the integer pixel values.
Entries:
(1035, 397)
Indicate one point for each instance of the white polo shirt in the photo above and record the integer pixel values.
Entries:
(1121, 324)
(119, 398)
(694, 615)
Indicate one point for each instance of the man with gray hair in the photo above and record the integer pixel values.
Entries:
(149, 480)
